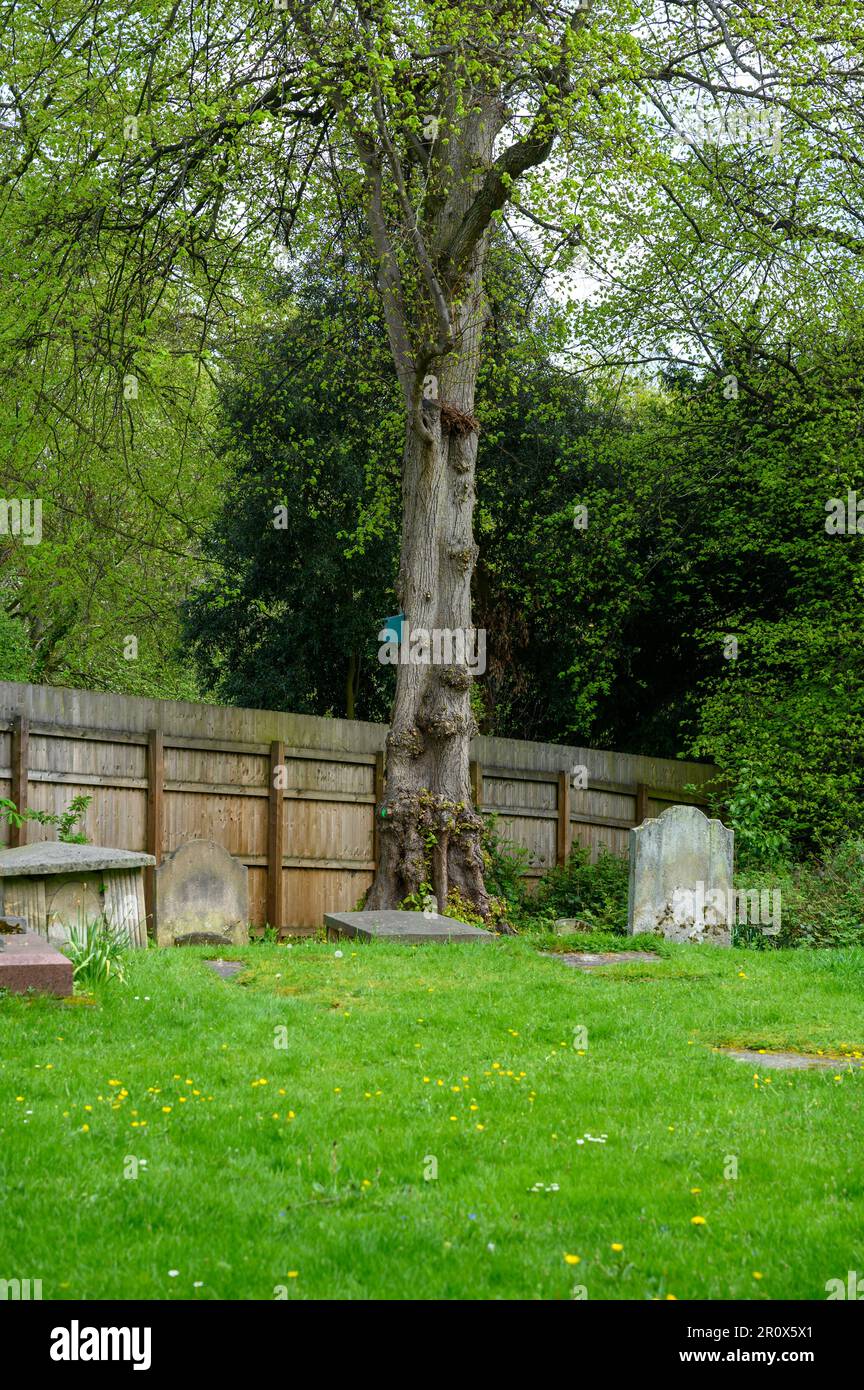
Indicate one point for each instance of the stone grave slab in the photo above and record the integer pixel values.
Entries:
(588, 960)
(411, 928)
(226, 969)
(787, 1061)
(28, 961)
(57, 886)
(201, 897)
(681, 878)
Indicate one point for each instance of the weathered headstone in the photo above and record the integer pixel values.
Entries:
(201, 897)
(681, 878)
(411, 928)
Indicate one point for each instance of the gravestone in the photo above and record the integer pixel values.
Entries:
(681, 878)
(395, 925)
(201, 897)
(28, 961)
(57, 886)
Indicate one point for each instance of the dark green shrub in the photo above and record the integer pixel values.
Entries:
(595, 893)
(822, 901)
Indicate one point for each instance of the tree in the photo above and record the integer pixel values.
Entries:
(437, 118)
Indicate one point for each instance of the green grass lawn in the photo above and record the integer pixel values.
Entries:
(308, 1166)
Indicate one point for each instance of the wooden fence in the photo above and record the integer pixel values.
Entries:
(161, 772)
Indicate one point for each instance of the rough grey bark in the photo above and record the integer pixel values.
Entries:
(429, 829)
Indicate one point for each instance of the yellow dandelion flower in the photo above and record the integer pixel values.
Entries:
(572, 1259)
(697, 1220)
(616, 1247)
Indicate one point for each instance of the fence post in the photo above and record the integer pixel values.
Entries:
(476, 770)
(275, 839)
(378, 789)
(20, 764)
(155, 809)
(563, 849)
(641, 802)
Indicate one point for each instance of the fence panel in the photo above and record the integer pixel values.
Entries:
(161, 772)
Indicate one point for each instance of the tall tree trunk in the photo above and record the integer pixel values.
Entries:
(429, 830)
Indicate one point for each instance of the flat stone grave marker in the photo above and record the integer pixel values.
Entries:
(411, 928)
(226, 969)
(28, 961)
(681, 878)
(201, 897)
(587, 960)
(786, 1061)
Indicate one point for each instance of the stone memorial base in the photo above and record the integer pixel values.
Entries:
(28, 961)
(410, 928)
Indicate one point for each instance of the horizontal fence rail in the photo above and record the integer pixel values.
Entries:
(161, 772)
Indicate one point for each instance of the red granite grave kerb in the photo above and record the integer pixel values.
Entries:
(28, 961)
